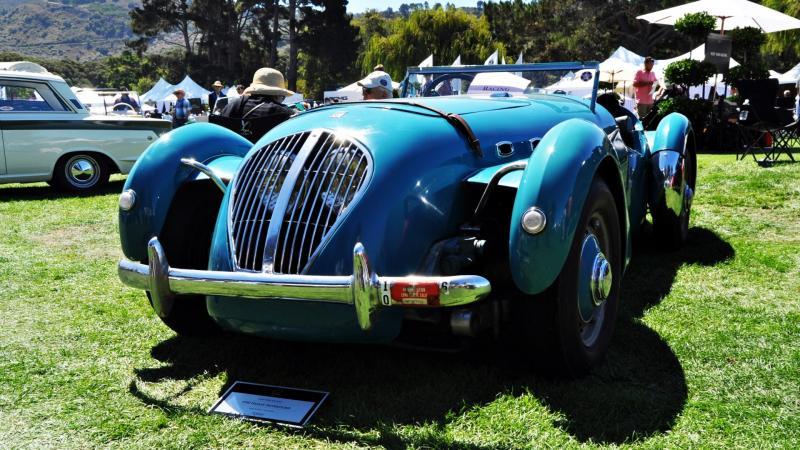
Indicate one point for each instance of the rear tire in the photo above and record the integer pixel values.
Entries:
(80, 172)
(568, 326)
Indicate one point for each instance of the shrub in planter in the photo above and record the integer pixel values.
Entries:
(695, 26)
(696, 110)
(752, 71)
(689, 72)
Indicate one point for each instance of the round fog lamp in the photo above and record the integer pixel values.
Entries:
(533, 221)
(127, 199)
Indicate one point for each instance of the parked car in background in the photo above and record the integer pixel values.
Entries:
(49, 135)
(506, 213)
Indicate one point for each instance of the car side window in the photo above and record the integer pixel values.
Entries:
(19, 96)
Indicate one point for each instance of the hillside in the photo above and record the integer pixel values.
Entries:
(75, 29)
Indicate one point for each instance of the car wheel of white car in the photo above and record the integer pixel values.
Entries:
(80, 172)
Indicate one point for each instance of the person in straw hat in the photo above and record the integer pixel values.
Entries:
(181, 110)
(215, 95)
(259, 109)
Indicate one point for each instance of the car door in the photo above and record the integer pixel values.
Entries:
(32, 118)
(2, 151)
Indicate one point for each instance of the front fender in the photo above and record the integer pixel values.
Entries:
(159, 173)
(557, 180)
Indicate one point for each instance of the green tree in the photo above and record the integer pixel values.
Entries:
(329, 45)
(783, 48)
(158, 17)
(446, 33)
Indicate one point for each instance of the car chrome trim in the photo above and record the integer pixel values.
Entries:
(504, 144)
(600, 283)
(205, 170)
(495, 180)
(289, 195)
(538, 213)
(365, 290)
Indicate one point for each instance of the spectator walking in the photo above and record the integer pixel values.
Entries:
(181, 110)
(643, 83)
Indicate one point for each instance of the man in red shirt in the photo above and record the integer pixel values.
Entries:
(643, 83)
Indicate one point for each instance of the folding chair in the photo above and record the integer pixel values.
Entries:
(763, 127)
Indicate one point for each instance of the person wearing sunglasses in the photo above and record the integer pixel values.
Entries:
(376, 86)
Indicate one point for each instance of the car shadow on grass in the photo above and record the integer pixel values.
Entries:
(42, 191)
(638, 392)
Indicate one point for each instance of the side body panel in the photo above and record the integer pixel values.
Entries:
(2, 152)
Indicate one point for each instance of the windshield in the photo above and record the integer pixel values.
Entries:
(576, 79)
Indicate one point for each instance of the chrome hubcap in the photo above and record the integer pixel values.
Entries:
(601, 279)
(594, 287)
(82, 171)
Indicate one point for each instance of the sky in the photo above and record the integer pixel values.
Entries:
(357, 6)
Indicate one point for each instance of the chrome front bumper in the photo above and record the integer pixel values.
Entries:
(364, 289)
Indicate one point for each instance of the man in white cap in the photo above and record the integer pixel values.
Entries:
(376, 86)
(259, 109)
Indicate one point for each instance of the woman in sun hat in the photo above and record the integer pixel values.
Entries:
(260, 108)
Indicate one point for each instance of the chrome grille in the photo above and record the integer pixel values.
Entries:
(284, 212)
(254, 198)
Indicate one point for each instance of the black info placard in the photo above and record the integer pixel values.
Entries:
(269, 404)
(718, 51)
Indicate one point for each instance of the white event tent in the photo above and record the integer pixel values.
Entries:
(192, 89)
(791, 76)
(158, 92)
(621, 66)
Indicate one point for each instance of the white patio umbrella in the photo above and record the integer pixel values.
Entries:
(730, 14)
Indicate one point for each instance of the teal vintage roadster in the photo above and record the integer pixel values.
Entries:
(470, 210)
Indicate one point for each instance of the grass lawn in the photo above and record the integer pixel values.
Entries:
(706, 352)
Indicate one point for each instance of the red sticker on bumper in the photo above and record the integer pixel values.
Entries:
(416, 294)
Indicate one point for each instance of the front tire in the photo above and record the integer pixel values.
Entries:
(572, 322)
(80, 172)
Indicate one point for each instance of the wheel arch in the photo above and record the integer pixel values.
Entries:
(609, 172)
(158, 176)
(111, 163)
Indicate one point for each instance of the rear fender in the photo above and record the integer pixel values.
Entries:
(159, 173)
(668, 174)
(557, 180)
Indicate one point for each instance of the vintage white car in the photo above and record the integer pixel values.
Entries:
(46, 134)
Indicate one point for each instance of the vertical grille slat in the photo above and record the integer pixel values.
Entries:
(251, 184)
(318, 199)
(312, 243)
(262, 190)
(307, 186)
(318, 185)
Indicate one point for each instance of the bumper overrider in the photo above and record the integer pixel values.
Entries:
(365, 290)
